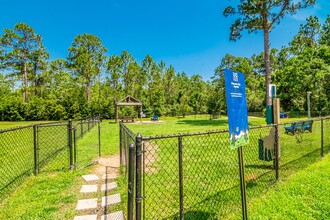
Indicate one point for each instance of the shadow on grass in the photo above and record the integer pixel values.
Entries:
(213, 206)
(300, 163)
(199, 215)
(260, 166)
(222, 122)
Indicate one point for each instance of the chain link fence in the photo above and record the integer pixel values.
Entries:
(16, 157)
(197, 176)
(86, 143)
(46, 147)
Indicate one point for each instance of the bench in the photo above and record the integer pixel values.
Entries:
(127, 118)
(284, 115)
(154, 118)
(300, 126)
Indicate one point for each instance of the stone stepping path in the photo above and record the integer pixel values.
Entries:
(92, 205)
(90, 178)
(108, 186)
(87, 204)
(113, 216)
(88, 188)
(86, 217)
(111, 200)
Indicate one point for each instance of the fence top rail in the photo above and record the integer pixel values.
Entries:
(201, 133)
(52, 125)
(45, 124)
(128, 131)
(15, 128)
(314, 119)
(211, 131)
(84, 122)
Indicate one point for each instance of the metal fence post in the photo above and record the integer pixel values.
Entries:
(181, 178)
(35, 144)
(70, 143)
(276, 151)
(322, 138)
(138, 176)
(81, 128)
(242, 183)
(130, 204)
(121, 143)
(88, 121)
(99, 136)
(74, 146)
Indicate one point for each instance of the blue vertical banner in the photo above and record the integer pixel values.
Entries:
(236, 108)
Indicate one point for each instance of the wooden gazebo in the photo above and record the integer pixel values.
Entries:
(129, 101)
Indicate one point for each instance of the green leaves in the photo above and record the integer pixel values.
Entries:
(24, 53)
(86, 57)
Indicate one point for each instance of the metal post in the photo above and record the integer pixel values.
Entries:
(81, 128)
(309, 104)
(35, 144)
(322, 138)
(138, 176)
(276, 151)
(121, 143)
(242, 183)
(88, 121)
(181, 211)
(75, 146)
(99, 136)
(70, 143)
(130, 204)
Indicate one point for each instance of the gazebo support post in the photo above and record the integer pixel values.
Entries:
(116, 113)
(137, 112)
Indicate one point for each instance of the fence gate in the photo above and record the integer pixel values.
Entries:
(52, 151)
(86, 143)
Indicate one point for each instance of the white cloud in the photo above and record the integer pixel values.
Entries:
(303, 14)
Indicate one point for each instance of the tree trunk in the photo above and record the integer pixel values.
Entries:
(88, 92)
(267, 65)
(25, 81)
(269, 112)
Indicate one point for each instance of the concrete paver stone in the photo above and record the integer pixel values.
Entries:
(91, 177)
(111, 200)
(113, 216)
(87, 204)
(86, 217)
(108, 186)
(88, 188)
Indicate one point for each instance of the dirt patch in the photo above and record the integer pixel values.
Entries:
(109, 165)
(150, 156)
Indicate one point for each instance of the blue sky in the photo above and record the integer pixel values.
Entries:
(193, 36)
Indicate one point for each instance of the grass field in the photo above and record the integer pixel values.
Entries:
(304, 195)
(211, 187)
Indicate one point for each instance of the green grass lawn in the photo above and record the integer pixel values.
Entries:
(304, 195)
(210, 171)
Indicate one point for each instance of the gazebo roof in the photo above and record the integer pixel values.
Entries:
(129, 101)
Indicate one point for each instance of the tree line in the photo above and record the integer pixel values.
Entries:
(89, 81)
